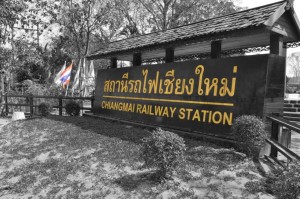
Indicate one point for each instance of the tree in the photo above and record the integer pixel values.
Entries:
(164, 14)
(82, 20)
(9, 13)
(52, 31)
(293, 63)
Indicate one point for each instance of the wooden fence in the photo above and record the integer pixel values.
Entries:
(276, 147)
(31, 102)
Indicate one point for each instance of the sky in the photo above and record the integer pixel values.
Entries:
(256, 3)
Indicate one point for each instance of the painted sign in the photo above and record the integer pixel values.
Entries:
(201, 96)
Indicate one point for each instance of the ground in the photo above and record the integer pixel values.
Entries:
(72, 157)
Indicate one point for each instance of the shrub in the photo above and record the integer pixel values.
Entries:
(44, 109)
(163, 150)
(249, 132)
(285, 184)
(72, 108)
(254, 187)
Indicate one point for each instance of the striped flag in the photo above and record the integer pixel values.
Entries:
(66, 75)
(57, 77)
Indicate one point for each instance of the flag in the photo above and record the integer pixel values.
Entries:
(57, 77)
(66, 75)
(76, 78)
(92, 72)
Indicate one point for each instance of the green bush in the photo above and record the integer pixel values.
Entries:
(73, 108)
(285, 184)
(163, 150)
(44, 109)
(249, 132)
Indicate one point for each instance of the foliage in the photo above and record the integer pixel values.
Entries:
(285, 184)
(44, 109)
(291, 89)
(73, 108)
(50, 32)
(83, 23)
(5, 55)
(32, 71)
(9, 13)
(144, 16)
(163, 150)
(249, 132)
(254, 187)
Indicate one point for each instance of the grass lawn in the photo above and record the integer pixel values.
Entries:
(68, 157)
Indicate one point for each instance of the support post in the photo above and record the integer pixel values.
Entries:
(92, 102)
(31, 104)
(6, 104)
(113, 62)
(60, 105)
(137, 59)
(275, 128)
(277, 45)
(169, 55)
(216, 49)
(285, 54)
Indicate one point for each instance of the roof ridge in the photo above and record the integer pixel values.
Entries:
(136, 36)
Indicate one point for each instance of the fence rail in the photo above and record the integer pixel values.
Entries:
(30, 99)
(277, 125)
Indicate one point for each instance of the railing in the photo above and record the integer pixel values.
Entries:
(277, 147)
(30, 99)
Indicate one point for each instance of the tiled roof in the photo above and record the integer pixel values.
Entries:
(240, 20)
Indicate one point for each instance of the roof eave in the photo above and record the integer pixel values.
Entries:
(279, 12)
(186, 41)
(296, 20)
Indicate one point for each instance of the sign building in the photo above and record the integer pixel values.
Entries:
(193, 94)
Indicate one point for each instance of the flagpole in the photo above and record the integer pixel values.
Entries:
(80, 78)
(67, 89)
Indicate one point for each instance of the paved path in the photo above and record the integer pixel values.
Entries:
(4, 121)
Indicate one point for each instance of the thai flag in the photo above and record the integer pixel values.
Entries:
(66, 75)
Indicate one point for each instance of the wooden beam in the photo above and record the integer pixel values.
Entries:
(113, 62)
(216, 48)
(276, 44)
(169, 55)
(274, 17)
(284, 53)
(137, 59)
(296, 20)
(280, 31)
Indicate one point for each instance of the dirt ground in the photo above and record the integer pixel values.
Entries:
(76, 157)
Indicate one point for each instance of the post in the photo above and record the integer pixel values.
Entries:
(274, 136)
(6, 104)
(137, 59)
(277, 45)
(31, 104)
(169, 55)
(113, 62)
(81, 108)
(60, 105)
(216, 49)
(92, 102)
